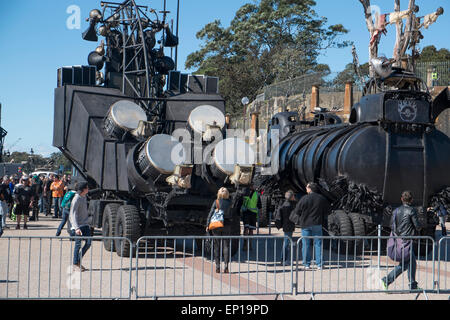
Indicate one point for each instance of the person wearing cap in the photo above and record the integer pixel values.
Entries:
(80, 221)
(65, 205)
(23, 197)
(57, 188)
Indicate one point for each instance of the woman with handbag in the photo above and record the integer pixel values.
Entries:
(405, 223)
(219, 223)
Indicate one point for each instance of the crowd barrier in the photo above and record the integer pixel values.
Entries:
(181, 267)
(42, 268)
(254, 269)
(360, 264)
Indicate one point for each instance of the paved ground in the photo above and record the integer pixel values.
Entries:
(41, 268)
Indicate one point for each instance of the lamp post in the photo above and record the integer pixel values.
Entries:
(245, 101)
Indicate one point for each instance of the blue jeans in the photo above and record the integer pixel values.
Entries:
(409, 265)
(86, 231)
(2, 215)
(65, 217)
(57, 206)
(41, 204)
(285, 253)
(313, 231)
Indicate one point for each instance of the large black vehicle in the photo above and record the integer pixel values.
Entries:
(390, 145)
(155, 157)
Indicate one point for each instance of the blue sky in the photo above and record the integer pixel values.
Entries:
(35, 42)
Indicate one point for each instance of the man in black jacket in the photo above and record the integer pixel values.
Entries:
(407, 225)
(23, 196)
(310, 212)
(282, 221)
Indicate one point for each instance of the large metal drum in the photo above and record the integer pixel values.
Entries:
(123, 116)
(228, 153)
(159, 156)
(387, 162)
(204, 116)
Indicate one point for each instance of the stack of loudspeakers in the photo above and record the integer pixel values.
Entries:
(77, 75)
(197, 84)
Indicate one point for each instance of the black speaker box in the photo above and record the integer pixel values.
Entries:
(196, 84)
(64, 76)
(174, 81)
(77, 75)
(212, 85)
(184, 83)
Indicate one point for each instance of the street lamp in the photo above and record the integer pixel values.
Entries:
(245, 101)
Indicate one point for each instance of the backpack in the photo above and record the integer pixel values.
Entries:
(398, 249)
(67, 200)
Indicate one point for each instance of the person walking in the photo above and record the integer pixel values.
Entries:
(405, 223)
(222, 204)
(57, 188)
(282, 221)
(23, 196)
(65, 205)
(250, 210)
(311, 211)
(80, 221)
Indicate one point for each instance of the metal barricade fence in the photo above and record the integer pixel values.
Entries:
(164, 264)
(42, 268)
(175, 267)
(358, 264)
(443, 271)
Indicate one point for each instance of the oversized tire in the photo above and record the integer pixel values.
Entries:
(359, 230)
(264, 214)
(340, 225)
(128, 225)
(109, 226)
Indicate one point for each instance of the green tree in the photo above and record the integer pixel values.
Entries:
(349, 74)
(58, 159)
(268, 41)
(431, 54)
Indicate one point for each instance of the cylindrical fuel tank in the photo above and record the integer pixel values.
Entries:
(388, 160)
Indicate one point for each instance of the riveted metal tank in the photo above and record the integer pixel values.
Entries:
(390, 145)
